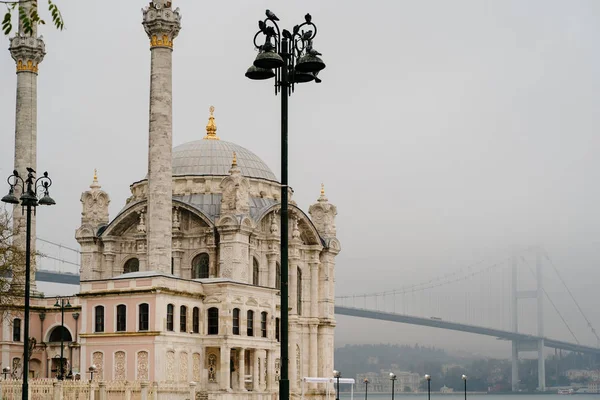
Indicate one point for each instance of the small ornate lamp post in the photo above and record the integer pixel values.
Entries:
(5, 371)
(30, 189)
(290, 58)
(337, 375)
(91, 371)
(366, 381)
(393, 379)
(60, 302)
(428, 377)
(464, 378)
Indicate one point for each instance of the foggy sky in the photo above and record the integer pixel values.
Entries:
(445, 132)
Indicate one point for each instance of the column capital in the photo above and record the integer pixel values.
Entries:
(161, 23)
(27, 51)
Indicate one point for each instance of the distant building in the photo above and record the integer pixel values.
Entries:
(380, 381)
(446, 389)
(594, 387)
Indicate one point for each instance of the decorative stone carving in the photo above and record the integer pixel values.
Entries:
(274, 225)
(277, 368)
(120, 371)
(298, 365)
(295, 230)
(212, 367)
(265, 371)
(162, 24)
(27, 51)
(170, 365)
(98, 361)
(142, 366)
(235, 190)
(141, 227)
(323, 215)
(176, 222)
(183, 366)
(94, 209)
(196, 367)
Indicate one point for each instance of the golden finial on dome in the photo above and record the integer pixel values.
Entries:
(95, 175)
(211, 128)
(322, 189)
(234, 162)
(95, 184)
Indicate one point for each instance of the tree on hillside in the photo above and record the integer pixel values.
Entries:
(27, 11)
(11, 257)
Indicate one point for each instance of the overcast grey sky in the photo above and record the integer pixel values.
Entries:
(445, 131)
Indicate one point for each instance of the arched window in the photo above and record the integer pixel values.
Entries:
(277, 276)
(183, 319)
(132, 265)
(60, 332)
(277, 329)
(299, 291)
(121, 318)
(196, 320)
(263, 324)
(236, 321)
(17, 330)
(200, 266)
(99, 320)
(170, 312)
(144, 315)
(255, 272)
(213, 321)
(250, 323)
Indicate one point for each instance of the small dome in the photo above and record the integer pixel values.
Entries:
(214, 157)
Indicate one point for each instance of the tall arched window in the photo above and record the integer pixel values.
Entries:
(200, 266)
(236, 321)
(121, 318)
(255, 272)
(17, 330)
(250, 323)
(99, 319)
(132, 265)
(170, 312)
(59, 333)
(196, 320)
(263, 324)
(213, 321)
(277, 276)
(299, 291)
(144, 315)
(183, 319)
(277, 329)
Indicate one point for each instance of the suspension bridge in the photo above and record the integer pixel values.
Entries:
(504, 299)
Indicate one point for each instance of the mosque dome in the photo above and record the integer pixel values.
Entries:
(212, 156)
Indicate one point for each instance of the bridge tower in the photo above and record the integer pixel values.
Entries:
(520, 345)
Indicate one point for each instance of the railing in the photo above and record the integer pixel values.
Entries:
(51, 389)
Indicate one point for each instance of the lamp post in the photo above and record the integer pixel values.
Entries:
(60, 302)
(393, 379)
(428, 377)
(337, 375)
(366, 381)
(91, 371)
(29, 200)
(5, 371)
(290, 58)
(464, 378)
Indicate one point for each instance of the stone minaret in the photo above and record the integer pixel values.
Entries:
(162, 25)
(27, 49)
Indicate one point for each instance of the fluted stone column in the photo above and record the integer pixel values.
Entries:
(225, 368)
(242, 369)
(162, 25)
(272, 258)
(314, 290)
(314, 350)
(28, 50)
(255, 371)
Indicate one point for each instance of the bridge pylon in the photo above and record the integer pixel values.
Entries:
(537, 345)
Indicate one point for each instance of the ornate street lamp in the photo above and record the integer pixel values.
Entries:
(60, 302)
(31, 188)
(366, 381)
(91, 371)
(5, 371)
(464, 378)
(393, 379)
(290, 58)
(428, 377)
(337, 375)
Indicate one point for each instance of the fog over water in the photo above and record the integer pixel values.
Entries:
(448, 134)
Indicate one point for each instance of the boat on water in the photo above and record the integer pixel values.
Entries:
(566, 391)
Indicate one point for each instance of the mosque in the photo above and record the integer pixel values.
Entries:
(183, 284)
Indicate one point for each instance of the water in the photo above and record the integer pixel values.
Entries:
(456, 396)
